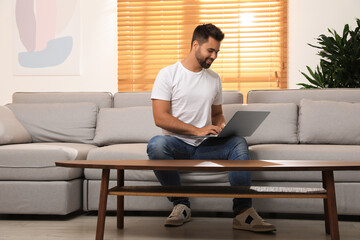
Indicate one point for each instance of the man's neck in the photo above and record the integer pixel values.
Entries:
(191, 64)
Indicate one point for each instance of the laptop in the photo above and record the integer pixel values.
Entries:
(243, 123)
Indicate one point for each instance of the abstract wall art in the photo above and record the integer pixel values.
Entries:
(47, 37)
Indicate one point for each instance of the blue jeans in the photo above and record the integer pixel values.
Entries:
(232, 148)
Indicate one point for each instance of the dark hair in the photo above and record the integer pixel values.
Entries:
(204, 31)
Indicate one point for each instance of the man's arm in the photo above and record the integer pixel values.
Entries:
(217, 116)
(164, 119)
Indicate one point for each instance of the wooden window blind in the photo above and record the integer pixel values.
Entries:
(155, 34)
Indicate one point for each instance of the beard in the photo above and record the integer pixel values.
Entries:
(203, 61)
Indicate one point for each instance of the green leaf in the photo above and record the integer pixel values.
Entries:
(313, 80)
(346, 31)
(306, 86)
(310, 71)
(314, 46)
(338, 40)
(339, 60)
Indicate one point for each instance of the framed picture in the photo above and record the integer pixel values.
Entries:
(46, 37)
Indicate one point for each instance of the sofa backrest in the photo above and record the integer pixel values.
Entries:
(101, 99)
(135, 99)
(132, 99)
(295, 95)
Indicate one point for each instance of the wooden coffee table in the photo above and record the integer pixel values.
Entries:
(326, 167)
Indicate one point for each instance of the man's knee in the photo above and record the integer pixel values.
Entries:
(156, 141)
(240, 150)
(239, 141)
(157, 147)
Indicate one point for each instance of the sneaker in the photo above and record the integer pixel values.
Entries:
(179, 215)
(251, 221)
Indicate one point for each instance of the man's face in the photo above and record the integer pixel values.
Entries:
(206, 53)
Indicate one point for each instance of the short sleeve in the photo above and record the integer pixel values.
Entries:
(162, 87)
(218, 98)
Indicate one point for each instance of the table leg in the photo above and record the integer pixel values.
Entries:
(120, 200)
(326, 210)
(331, 215)
(102, 204)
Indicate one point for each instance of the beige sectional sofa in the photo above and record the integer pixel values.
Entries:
(38, 129)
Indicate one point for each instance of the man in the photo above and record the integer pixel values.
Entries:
(186, 99)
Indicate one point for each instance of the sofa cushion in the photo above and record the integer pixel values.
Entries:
(36, 161)
(232, 97)
(126, 151)
(39, 197)
(119, 152)
(125, 125)
(279, 127)
(11, 130)
(329, 122)
(304, 152)
(58, 122)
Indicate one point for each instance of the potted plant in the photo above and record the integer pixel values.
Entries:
(340, 60)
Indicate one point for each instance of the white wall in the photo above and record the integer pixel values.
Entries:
(98, 53)
(307, 20)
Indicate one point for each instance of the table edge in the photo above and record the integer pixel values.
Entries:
(215, 165)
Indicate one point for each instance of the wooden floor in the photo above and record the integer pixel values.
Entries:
(151, 227)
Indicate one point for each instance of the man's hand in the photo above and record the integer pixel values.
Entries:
(212, 129)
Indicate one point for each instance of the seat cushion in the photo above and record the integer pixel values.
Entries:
(306, 152)
(118, 152)
(36, 161)
(126, 151)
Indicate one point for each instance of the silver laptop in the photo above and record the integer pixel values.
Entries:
(243, 123)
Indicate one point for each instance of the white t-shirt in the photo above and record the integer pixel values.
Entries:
(191, 95)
